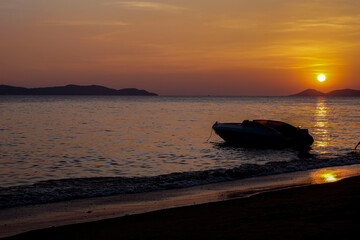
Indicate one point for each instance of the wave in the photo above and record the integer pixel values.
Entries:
(69, 189)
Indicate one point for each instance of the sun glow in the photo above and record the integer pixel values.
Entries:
(327, 176)
(321, 77)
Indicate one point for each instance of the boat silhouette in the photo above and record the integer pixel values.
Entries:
(264, 134)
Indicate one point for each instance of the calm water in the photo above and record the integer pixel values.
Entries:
(56, 137)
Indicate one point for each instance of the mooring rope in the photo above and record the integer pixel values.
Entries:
(210, 134)
(357, 145)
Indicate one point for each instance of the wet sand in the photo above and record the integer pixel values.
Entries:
(318, 211)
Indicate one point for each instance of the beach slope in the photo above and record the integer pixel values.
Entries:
(318, 211)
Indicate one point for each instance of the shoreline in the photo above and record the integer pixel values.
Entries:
(321, 210)
(90, 211)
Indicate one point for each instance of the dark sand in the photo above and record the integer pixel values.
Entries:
(317, 211)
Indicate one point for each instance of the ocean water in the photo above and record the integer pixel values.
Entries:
(54, 148)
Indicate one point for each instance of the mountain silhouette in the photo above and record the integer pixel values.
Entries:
(73, 90)
(308, 93)
(335, 93)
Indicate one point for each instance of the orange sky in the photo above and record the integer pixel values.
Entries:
(182, 47)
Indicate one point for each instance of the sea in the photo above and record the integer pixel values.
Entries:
(56, 148)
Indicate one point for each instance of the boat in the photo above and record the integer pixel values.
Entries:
(264, 134)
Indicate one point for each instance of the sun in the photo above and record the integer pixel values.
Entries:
(321, 77)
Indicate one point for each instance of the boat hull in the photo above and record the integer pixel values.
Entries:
(260, 135)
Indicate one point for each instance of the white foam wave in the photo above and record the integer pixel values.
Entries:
(68, 189)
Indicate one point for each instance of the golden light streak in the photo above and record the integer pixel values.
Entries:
(333, 174)
(321, 124)
(326, 176)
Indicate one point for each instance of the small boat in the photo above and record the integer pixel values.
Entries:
(264, 134)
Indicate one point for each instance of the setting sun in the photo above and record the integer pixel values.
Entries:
(321, 77)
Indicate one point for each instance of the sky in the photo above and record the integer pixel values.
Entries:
(182, 47)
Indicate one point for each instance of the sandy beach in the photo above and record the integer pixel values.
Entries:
(318, 211)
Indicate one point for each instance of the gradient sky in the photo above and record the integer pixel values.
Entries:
(182, 47)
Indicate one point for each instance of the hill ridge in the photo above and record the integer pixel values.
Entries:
(335, 93)
(72, 89)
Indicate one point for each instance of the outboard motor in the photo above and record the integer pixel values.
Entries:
(305, 137)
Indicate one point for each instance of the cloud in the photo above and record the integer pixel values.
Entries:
(335, 23)
(236, 23)
(84, 23)
(154, 6)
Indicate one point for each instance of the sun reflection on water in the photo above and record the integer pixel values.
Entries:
(321, 124)
(329, 175)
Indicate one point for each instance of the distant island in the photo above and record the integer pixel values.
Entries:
(73, 90)
(335, 93)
